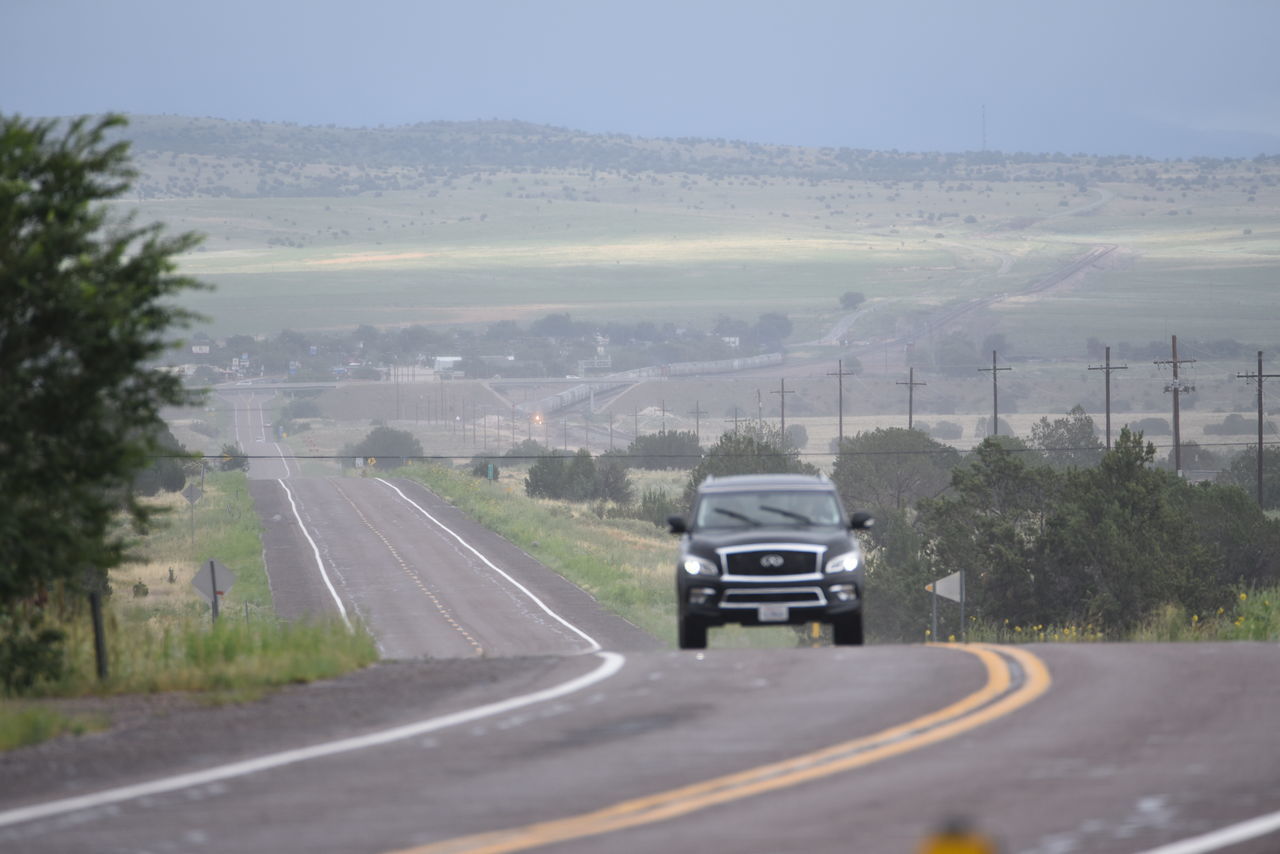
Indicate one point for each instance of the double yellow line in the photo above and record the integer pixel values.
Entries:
(997, 698)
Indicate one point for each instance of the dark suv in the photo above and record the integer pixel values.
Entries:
(768, 549)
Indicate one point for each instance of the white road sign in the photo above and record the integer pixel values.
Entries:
(947, 588)
(203, 581)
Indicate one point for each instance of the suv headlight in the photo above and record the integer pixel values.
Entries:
(846, 562)
(698, 566)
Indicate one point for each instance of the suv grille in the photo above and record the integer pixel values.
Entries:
(766, 560)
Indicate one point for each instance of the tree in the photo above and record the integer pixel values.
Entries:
(1070, 442)
(233, 458)
(758, 449)
(388, 447)
(850, 300)
(1243, 472)
(87, 306)
(666, 449)
(891, 469)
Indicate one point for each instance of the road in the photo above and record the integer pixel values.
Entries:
(521, 716)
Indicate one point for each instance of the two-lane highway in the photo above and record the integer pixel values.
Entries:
(505, 728)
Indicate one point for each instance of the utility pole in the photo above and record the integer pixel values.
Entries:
(635, 420)
(586, 430)
(1108, 368)
(735, 419)
(782, 396)
(566, 432)
(759, 409)
(1259, 377)
(697, 412)
(611, 431)
(911, 396)
(995, 393)
(840, 374)
(663, 404)
(1178, 387)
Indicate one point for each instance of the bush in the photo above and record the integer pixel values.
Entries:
(28, 650)
(389, 448)
(486, 467)
(655, 506)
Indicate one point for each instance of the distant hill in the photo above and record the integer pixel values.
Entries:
(239, 158)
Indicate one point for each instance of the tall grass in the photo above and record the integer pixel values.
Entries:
(1254, 616)
(160, 635)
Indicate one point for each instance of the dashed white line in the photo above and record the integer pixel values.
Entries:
(595, 646)
(612, 662)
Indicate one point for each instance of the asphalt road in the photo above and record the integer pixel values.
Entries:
(536, 742)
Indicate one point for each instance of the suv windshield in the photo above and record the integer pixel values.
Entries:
(767, 507)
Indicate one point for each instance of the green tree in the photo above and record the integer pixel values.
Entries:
(1070, 442)
(233, 458)
(1243, 472)
(87, 306)
(849, 300)
(666, 449)
(390, 448)
(990, 525)
(891, 469)
(758, 449)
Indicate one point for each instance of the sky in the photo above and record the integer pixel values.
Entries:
(1160, 78)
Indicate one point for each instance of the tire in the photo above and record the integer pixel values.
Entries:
(847, 631)
(692, 633)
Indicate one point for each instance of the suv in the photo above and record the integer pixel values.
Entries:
(768, 549)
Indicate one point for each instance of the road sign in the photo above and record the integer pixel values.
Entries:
(204, 580)
(947, 588)
(192, 493)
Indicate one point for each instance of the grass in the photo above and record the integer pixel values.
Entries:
(166, 641)
(626, 564)
(23, 724)
(1254, 616)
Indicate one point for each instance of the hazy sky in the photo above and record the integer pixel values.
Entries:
(1156, 77)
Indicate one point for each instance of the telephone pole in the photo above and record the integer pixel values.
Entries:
(735, 419)
(782, 396)
(1259, 377)
(995, 393)
(840, 374)
(1178, 387)
(1108, 368)
(911, 396)
(697, 412)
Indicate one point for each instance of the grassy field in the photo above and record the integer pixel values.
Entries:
(1199, 245)
(159, 631)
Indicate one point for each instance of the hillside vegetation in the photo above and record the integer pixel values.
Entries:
(473, 223)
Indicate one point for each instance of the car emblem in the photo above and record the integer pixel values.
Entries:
(772, 561)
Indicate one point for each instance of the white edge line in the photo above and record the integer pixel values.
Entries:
(595, 646)
(611, 664)
(1218, 839)
(316, 551)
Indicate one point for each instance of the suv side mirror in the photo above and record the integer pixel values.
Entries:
(676, 525)
(861, 520)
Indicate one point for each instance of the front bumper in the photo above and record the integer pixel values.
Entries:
(769, 602)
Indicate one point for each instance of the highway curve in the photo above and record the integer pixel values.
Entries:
(539, 741)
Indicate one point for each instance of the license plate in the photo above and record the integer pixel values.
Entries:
(774, 613)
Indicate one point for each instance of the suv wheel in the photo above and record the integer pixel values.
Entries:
(692, 633)
(847, 631)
